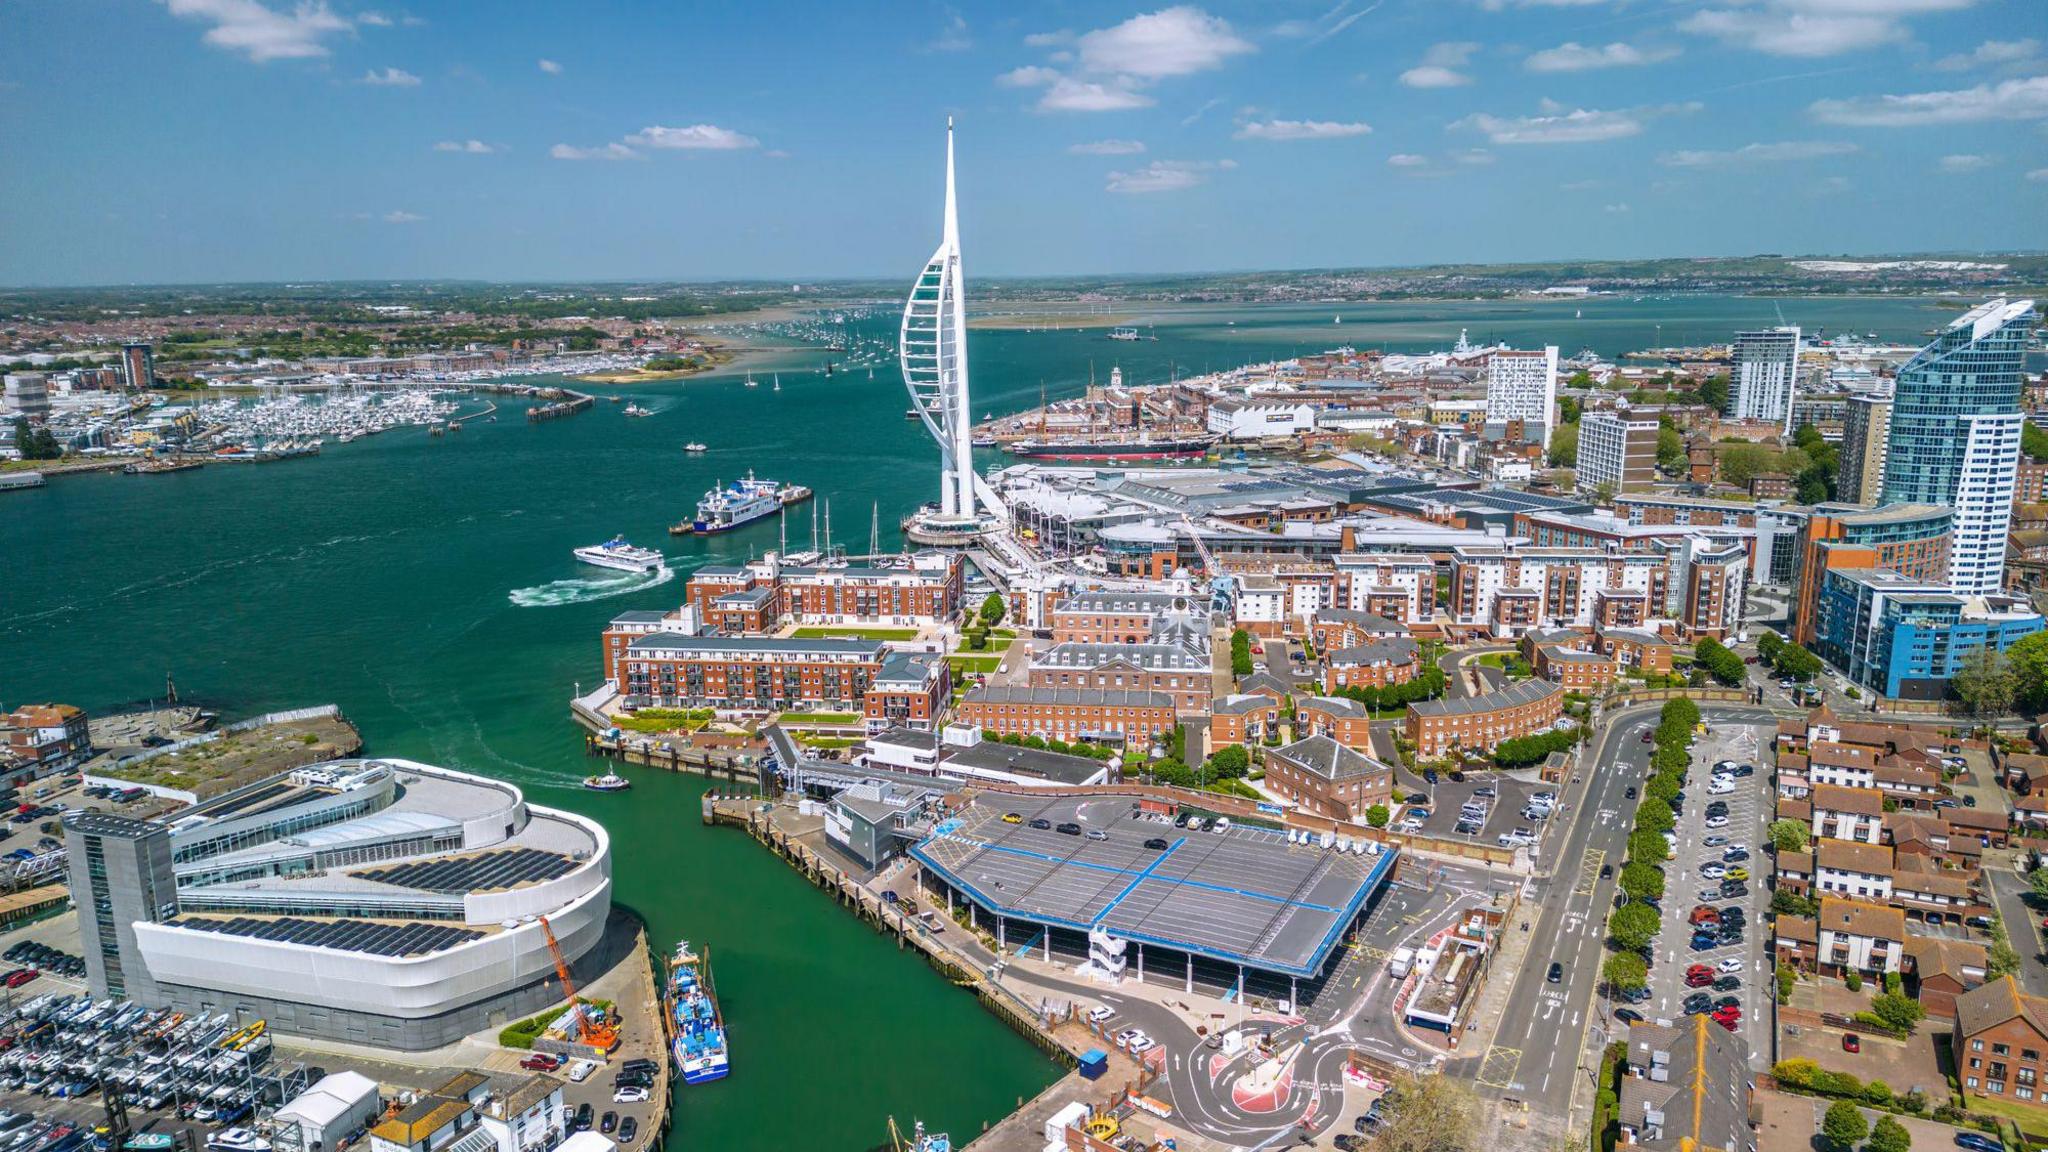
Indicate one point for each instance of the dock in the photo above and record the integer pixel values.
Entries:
(673, 759)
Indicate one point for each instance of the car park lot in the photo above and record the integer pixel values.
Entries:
(1695, 879)
(1504, 808)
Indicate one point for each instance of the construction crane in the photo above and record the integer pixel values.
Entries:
(1201, 549)
(602, 1036)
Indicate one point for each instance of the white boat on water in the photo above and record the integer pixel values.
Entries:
(1123, 333)
(617, 553)
(695, 447)
(609, 782)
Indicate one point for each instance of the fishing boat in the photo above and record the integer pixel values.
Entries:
(744, 501)
(696, 1030)
(617, 553)
(696, 448)
(609, 782)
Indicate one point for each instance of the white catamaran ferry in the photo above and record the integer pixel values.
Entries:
(617, 553)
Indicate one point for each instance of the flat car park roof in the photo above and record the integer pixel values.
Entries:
(1245, 896)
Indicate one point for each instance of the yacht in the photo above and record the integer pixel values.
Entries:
(1123, 334)
(617, 553)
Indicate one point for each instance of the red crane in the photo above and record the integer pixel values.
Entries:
(602, 1036)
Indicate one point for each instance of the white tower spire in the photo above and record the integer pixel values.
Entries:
(932, 348)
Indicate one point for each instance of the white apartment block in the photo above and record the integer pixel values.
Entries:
(1506, 591)
(1394, 585)
(1616, 451)
(1523, 386)
(1983, 503)
(1763, 374)
(1254, 418)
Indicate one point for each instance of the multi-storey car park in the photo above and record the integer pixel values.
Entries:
(381, 901)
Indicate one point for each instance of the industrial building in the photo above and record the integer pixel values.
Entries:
(381, 902)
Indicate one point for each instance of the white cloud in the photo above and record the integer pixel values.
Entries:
(696, 138)
(1067, 94)
(1812, 28)
(1474, 156)
(1778, 152)
(603, 152)
(1964, 162)
(1572, 56)
(1555, 125)
(262, 33)
(470, 147)
(1166, 176)
(399, 216)
(1107, 148)
(1029, 76)
(373, 19)
(1616, 209)
(550, 67)
(391, 78)
(1990, 54)
(1302, 130)
(954, 37)
(2007, 100)
(2038, 175)
(1049, 39)
(1408, 160)
(1439, 67)
(1177, 41)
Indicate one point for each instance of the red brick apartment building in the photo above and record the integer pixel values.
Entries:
(912, 589)
(1243, 719)
(1181, 672)
(1477, 723)
(1113, 617)
(1335, 628)
(1328, 779)
(1097, 715)
(749, 675)
(44, 738)
(1345, 721)
(2000, 1035)
(1373, 664)
(910, 691)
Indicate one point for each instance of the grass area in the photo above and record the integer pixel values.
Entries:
(792, 719)
(1493, 660)
(809, 741)
(1000, 643)
(822, 633)
(521, 1034)
(651, 720)
(2027, 1116)
(973, 663)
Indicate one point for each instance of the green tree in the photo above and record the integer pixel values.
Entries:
(1788, 835)
(1230, 762)
(1625, 972)
(2003, 961)
(1723, 664)
(1985, 685)
(1714, 392)
(1240, 653)
(1568, 407)
(1377, 816)
(1670, 449)
(1428, 1114)
(2028, 660)
(2034, 440)
(1564, 445)
(1797, 663)
(1888, 1135)
(1785, 902)
(1641, 880)
(992, 609)
(1633, 927)
(1844, 1126)
(1899, 1011)
(1767, 645)
(1656, 816)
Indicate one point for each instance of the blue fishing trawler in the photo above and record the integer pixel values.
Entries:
(697, 1030)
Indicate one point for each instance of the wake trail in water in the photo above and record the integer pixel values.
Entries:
(556, 593)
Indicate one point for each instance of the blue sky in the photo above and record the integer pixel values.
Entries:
(189, 140)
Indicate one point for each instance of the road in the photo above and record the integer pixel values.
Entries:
(1569, 919)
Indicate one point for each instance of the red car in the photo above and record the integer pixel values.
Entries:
(17, 979)
(1706, 970)
(1706, 914)
(1851, 1042)
(1698, 979)
(1728, 1022)
(540, 1062)
(1727, 1015)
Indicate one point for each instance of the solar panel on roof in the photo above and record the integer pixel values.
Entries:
(504, 868)
(403, 939)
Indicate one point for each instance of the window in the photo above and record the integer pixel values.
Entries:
(2001, 1050)
(1976, 1046)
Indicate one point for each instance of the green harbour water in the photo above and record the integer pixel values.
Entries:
(426, 586)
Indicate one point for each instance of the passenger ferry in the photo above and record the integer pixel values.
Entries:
(697, 1031)
(742, 503)
(617, 553)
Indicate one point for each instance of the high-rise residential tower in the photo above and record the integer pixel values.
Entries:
(1616, 451)
(1955, 434)
(1763, 374)
(1866, 430)
(138, 367)
(1523, 386)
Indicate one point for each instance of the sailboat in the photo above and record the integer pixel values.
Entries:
(750, 380)
(778, 382)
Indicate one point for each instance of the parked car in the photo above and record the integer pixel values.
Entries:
(1978, 1143)
(1730, 965)
(608, 1123)
(1628, 1015)
(1067, 828)
(1851, 1042)
(541, 1062)
(628, 1129)
(1042, 824)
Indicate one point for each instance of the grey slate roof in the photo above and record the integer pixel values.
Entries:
(1054, 766)
(1242, 703)
(1092, 697)
(739, 645)
(1335, 706)
(1324, 757)
(1396, 650)
(1151, 657)
(640, 616)
(1367, 621)
(1514, 695)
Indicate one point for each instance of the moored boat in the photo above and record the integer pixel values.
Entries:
(696, 1029)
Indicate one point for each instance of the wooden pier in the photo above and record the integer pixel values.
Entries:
(673, 759)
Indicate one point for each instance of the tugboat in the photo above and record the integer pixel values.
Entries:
(609, 782)
(697, 1031)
